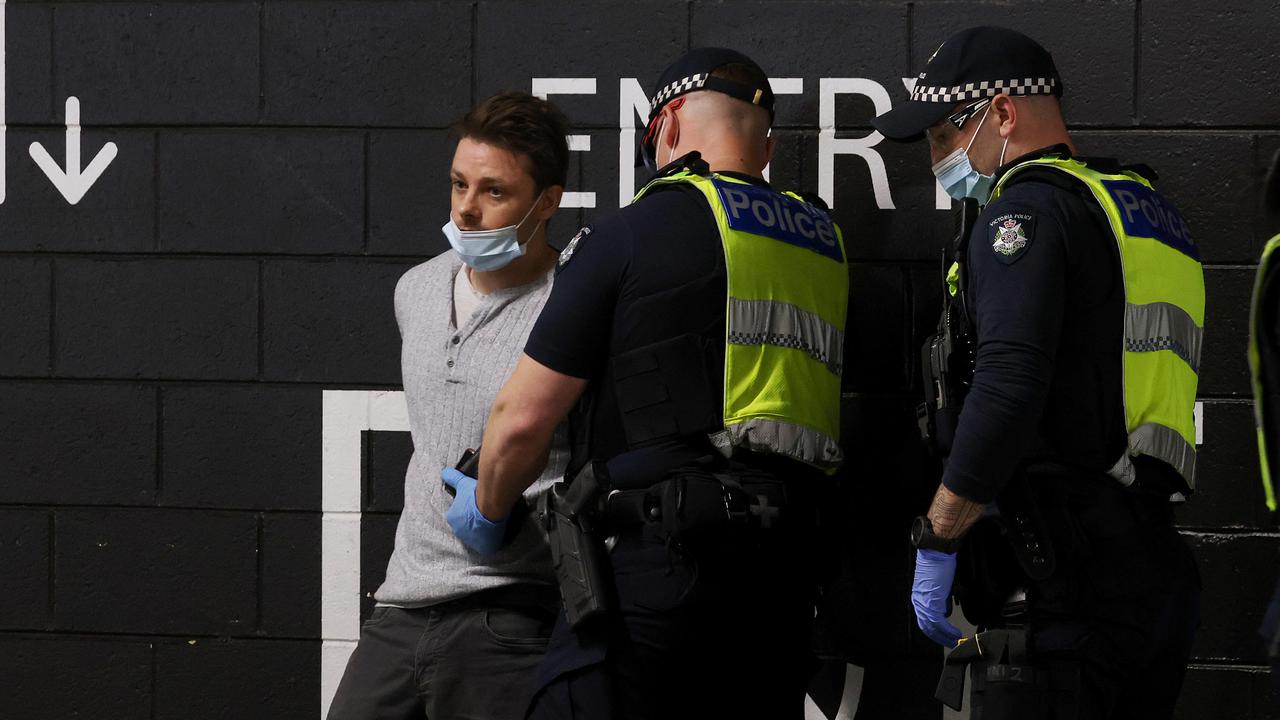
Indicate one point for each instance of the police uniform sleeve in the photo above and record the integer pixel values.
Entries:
(572, 334)
(1017, 274)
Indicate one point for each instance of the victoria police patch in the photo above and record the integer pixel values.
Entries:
(1011, 235)
(567, 253)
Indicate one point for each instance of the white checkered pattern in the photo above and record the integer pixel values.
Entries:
(985, 88)
(679, 87)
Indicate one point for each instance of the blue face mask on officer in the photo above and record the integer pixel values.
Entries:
(957, 175)
(488, 250)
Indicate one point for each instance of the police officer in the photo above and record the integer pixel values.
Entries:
(1264, 362)
(1079, 296)
(702, 327)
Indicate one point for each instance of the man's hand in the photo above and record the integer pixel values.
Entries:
(929, 593)
(470, 525)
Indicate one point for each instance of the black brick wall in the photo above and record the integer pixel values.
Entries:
(165, 342)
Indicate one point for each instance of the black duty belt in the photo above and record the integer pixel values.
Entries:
(694, 500)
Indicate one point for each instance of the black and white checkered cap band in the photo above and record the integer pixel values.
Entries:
(985, 88)
(679, 87)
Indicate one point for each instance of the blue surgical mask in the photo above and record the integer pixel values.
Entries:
(488, 250)
(956, 174)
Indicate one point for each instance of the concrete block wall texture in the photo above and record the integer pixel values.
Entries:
(165, 342)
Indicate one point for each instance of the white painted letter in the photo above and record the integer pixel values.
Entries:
(829, 145)
(542, 87)
(631, 99)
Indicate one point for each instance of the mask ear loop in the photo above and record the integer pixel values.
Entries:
(975, 132)
(654, 133)
(526, 217)
(1003, 147)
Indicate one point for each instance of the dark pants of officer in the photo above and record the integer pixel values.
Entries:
(474, 658)
(1111, 630)
(713, 626)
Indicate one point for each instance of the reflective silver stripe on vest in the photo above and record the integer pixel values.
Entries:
(775, 436)
(768, 322)
(1161, 443)
(1163, 326)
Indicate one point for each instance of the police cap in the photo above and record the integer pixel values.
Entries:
(975, 63)
(692, 72)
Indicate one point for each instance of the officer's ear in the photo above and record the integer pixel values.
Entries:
(1005, 112)
(670, 132)
(768, 149)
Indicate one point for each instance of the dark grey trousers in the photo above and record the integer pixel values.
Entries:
(459, 660)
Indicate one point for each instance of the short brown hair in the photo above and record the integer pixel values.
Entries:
(525, 125)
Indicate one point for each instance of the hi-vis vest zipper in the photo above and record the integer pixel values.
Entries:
(788, 295)
(1259, 338)
(1163, 315)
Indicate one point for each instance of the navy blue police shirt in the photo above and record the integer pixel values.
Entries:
(1046, 298)
(651, 271)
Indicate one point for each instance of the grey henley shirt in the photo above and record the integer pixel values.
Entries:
(451, 377)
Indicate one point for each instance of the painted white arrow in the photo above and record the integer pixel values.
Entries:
(73, 183)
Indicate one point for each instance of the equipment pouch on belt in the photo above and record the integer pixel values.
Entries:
(947, 357)
(693, 502)
(1008, 682)
(1002, 553)
(568, 511)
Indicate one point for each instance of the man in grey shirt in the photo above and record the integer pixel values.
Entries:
(458, 633)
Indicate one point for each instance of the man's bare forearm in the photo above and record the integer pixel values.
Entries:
(952, 515)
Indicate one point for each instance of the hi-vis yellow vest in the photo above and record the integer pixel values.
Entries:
(1262, 394)
(788, 295)
(1163, 315)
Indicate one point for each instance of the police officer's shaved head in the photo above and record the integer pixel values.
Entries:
(717, 102)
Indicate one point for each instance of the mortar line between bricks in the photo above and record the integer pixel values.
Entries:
(911, 31)
(1137, 61)
(1202, 665)
(155, 190)
(365, 187)
(155, 661)
(262, 318)
(175, 638)
(688, 25)
(153, 255)
(366, 460)
(52, 547)
(53, 313)
(245, 383)
(262, 70)
(240, 512)
(53, 63)
(475, 34)
(159, 495)
(258, 584)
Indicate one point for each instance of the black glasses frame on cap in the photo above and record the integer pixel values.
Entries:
(961, 116)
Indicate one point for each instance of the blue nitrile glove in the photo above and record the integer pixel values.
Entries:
(470, 526)
(929, 592)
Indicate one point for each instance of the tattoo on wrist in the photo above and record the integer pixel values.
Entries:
(952, 515)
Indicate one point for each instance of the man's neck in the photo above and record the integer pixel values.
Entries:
(724, 157)
(538, 259)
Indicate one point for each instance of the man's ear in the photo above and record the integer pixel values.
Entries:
(1006, 111)
(550, 201)
(671, 129)
(769, 146)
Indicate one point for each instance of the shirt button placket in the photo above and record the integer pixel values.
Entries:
(452, 352)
